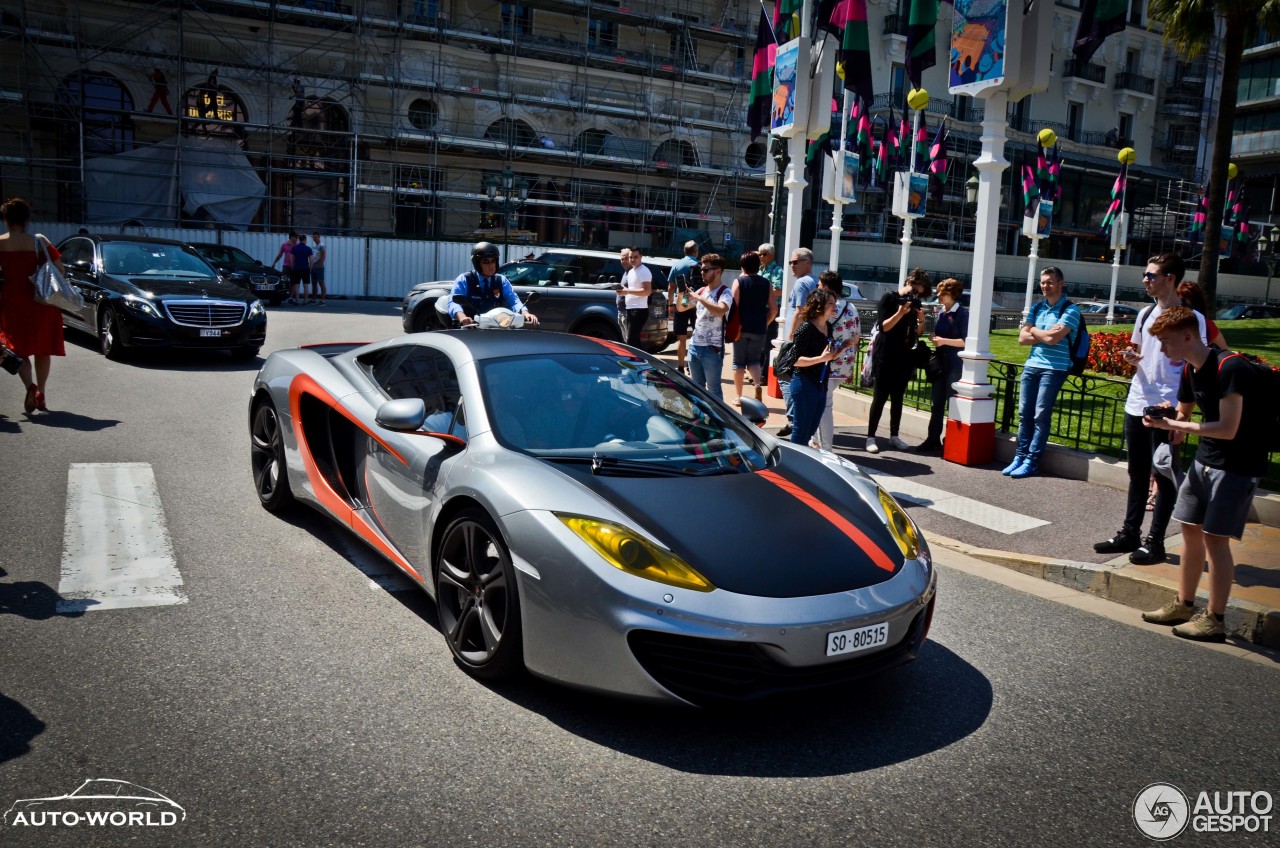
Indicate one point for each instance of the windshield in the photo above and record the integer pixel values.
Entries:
(602, 406)
(137, 259)
(1231, 312)
(529, 273)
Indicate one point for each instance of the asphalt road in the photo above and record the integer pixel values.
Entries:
(291, 703)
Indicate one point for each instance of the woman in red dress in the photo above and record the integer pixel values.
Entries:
(29, 328)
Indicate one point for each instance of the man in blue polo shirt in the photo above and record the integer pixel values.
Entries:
(1049, 329)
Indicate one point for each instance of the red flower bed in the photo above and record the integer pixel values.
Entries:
(1105, 354)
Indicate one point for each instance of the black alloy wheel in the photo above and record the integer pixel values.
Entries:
(109, 335)
(476, 598)
(266, 457)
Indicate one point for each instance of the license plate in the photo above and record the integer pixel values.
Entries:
(264, 286)
(858, 639)
(210, 334)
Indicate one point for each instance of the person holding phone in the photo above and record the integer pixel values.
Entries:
(846, 333)
(679, 308)
(1155, 383)
(812, 337)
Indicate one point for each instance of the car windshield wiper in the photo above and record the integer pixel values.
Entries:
(602, 464)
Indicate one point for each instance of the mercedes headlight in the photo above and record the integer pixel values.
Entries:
(140, 304)
(256, 308)
(901, 526)
(628, 551)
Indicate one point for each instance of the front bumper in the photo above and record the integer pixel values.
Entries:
(141, 330)
(592, 626)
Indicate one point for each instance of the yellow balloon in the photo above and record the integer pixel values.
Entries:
(1127, 156)
(1048, 138)
(917, 98)
(1232, 170)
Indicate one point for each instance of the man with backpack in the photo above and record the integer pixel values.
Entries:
(1155, 383)
(706, 344)
(1237, 400)
(1051, 328)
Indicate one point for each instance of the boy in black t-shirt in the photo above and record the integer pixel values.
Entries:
(1214, 499)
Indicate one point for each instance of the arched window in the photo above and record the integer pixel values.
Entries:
(674, 152)
(423, 114)
(104, 104)
(211, 111)
(591, 142)
(511, 133)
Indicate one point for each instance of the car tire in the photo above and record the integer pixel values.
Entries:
(109, 341)
(599, 330)
(424, 317)
(267, 460)
(476, 598)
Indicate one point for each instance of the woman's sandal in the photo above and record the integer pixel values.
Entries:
(29, 403)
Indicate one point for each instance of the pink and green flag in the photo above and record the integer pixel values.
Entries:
(922, 25)
(938, 163)
(1117, 198)
(1030, 192)
(760, 98)
(786, 19)
(1198, 220)
(1098, 19)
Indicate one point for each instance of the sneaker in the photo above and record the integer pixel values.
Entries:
(1204, 626)
(1013, 466)
(1028, 468)
(872, 447)
(1121, 543)
(1174, 612)
(784, 432)
(1151, 552)
(929, 446)
(898, 444)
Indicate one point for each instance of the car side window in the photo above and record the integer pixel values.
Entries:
(78, 253)
(414, 371)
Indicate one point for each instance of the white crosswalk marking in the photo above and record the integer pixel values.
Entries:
(957, 506)
(116, 550)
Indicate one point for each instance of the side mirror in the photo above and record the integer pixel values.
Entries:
(404, 415)
(754, 411)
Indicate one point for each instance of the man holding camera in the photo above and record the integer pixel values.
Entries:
(1214, 499)
(901, 321)
(1155, 383)
(682, 274)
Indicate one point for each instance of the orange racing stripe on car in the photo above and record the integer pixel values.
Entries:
(859, 538)
(616, 348)
(332, 501)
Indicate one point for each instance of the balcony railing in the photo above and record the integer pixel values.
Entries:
(1110, 138)
(1135, 82)
(1085, 71)
(895, 25)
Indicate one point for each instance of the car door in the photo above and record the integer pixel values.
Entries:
(81, 272)
(403, 472)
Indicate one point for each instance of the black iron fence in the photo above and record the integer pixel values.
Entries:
(1088, 414)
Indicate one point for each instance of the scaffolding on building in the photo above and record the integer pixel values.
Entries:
(555, 121)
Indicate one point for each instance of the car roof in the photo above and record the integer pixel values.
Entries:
(497, 344)
(115, 237)
(599, 254)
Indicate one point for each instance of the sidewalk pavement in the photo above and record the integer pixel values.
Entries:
(1253, 613)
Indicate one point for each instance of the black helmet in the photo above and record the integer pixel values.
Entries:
(483, 250)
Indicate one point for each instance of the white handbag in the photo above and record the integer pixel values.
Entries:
(52, 289)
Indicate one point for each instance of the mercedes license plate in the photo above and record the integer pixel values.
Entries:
(858, 639)
(210, 334)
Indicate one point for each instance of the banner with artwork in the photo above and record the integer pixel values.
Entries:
(977, 45)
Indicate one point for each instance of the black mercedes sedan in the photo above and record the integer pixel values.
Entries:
(142, 292)
(242, 269)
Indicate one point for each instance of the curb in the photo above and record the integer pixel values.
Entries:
(1245, 620)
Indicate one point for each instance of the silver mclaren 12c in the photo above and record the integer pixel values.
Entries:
(578, 509)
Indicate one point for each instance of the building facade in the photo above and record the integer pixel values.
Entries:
(553, 121)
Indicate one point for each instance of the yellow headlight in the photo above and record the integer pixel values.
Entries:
(904, 532)
(634, 554)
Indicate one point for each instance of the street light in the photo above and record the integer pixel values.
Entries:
(509, 185)
(971, 190)
(1267, 247)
